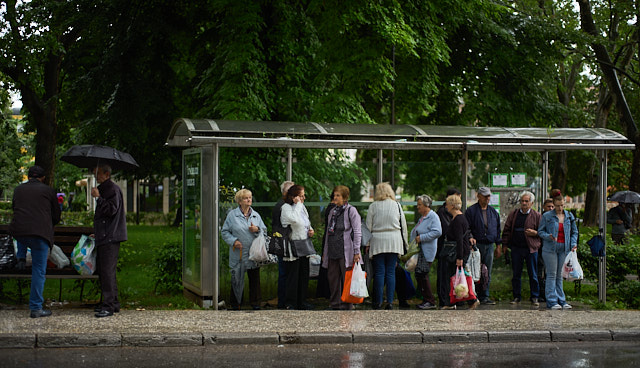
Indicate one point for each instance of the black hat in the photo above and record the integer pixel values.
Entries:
(35, 171)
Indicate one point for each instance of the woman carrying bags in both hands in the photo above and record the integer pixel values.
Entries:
(341, 249)
(458, 231)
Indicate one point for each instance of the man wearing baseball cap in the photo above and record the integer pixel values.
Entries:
(35, 212)
(484, 222)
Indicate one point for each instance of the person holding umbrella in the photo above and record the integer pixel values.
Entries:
(620, 219)
(110, 228)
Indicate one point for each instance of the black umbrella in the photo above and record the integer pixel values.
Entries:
(90, 156)
(625, 196)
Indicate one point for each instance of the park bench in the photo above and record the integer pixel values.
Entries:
(66, 237)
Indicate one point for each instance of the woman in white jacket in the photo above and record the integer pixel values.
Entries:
(295, 214)
(385, 220)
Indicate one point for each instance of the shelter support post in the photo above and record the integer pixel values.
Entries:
(215, 173)
(465, 178)
(545, 179)
(602, 225)
(380, 166)
(289, 164)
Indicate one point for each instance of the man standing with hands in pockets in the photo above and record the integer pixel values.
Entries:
(110, 228)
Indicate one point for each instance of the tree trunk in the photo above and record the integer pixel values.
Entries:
(559, 175)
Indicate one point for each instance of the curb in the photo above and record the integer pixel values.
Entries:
(67, 340)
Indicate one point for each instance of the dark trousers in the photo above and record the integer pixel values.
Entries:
(518, 257)
(107, 262)
(297, 282)
(254, 290)
(443, 276)
(335, 275)
(425, 287)
(541, 276)
(282, 283)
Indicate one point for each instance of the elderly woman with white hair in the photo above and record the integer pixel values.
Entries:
(426, 233)
(241, 227)
(388, 226)
(520, 234)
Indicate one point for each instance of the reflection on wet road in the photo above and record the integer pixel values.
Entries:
(494, 355)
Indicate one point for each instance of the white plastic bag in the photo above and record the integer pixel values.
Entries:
(58, 257)
(571, 270)
(358, 282)
(474, 265)
(411, 263)
(258, 250)
(83, 256)
(314, 265)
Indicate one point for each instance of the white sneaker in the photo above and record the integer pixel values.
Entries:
(556, 307)
(567, 306)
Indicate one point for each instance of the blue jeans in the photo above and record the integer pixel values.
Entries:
(486, 257)
(553, 261)
(518, 256)
(384, 267)
(39, 254)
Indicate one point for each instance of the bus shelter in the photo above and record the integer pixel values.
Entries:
(203, 138)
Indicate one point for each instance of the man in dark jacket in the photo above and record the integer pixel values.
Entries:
(35, 212)
(520, 234)
(484, 222)
(110, 228)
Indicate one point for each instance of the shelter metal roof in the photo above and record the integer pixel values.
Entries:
(234, 133)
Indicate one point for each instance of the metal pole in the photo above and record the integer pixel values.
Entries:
(289, 163)
(215, 221)
(465, 179)
(380, 172)
(602, 225)
(545, 178)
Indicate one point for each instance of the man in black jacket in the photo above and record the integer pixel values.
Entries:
(110, 228)
(35, 212)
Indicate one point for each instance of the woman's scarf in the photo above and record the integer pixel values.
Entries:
(335, 213)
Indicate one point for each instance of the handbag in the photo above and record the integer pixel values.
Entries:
(461, 287)
(279, 241)
(449, 251)
(346, 289)
(302, 248)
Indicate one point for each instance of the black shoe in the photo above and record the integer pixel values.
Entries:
(487, 302)
(403, 304)
(104, 313)
(40, 313)
(307, 306)
(376, 306)
(21, 265)
(388, 306)
(98, 308)
(256, 307)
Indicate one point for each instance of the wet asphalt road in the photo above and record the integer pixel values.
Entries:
(512, 355)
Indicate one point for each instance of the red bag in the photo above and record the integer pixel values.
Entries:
(461, 278)
(346, 295)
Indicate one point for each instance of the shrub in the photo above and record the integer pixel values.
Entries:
(622, 260)
(628, 292)
(167, 267)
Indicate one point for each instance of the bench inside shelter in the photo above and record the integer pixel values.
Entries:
(66, 237)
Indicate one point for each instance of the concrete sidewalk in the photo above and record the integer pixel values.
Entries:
(79, 328)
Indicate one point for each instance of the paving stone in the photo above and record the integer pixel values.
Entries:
(387, 337)
(155, 339)
(249, 338)
(17, 340)
(434, 337)
(519, 336)
(74, 340)
(581, 335)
